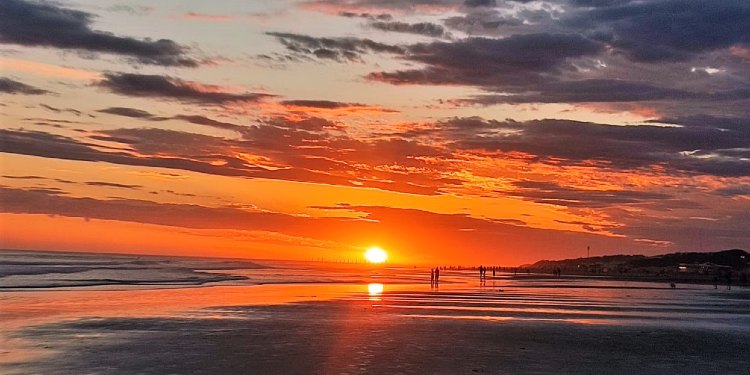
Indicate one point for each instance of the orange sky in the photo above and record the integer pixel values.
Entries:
(447, 132)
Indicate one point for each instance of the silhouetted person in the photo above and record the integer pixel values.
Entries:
(729, 280)
(437, 275)
(432, 277)
(493, 272)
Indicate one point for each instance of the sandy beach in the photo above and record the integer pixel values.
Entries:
(501, 326)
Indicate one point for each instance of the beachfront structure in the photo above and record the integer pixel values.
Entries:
(706, 268)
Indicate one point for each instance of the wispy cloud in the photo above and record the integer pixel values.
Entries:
(10, 86)
(165, 87)
(338, 49)
(49, 70)
(195, 16)
(421, 28)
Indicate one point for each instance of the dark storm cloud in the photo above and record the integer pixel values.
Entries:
(692, 149)
(479, 3)
(671, 30)
(338, 49)
(43, 24)
(605, 90)
(483, 21)
(421, 28)
(734, 190)
(574, 51)
(601, 90)
(366, 5)
(519, 59)
(148, 85)
(10, 86)
(598, 3)
(552, 193)
(734, 125)
(729, 231)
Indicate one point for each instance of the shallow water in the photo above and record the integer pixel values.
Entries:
(35, 315)
(49, 286)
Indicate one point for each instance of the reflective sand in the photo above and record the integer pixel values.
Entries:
(333, 318)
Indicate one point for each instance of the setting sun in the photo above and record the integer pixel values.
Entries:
(376, 255)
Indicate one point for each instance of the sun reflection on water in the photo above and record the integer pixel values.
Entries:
(375, 290)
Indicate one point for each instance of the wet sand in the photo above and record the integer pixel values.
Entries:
(503, 326)
(357, 337)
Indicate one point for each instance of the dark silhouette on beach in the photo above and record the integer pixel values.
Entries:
(557, 271)
(729, 280)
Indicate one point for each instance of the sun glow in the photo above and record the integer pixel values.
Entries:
(376, 255)
(375, 289)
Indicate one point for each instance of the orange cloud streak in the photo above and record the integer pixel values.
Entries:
(193, 16)
(49, 70)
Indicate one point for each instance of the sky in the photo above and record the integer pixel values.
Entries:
(444, 131)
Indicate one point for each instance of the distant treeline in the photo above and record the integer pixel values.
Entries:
(712, 268)
(736, 258)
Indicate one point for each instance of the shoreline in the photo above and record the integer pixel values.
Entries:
(636, 278)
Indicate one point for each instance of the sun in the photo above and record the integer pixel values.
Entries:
(376, 255)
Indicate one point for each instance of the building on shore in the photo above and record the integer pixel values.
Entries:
(706, 268)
